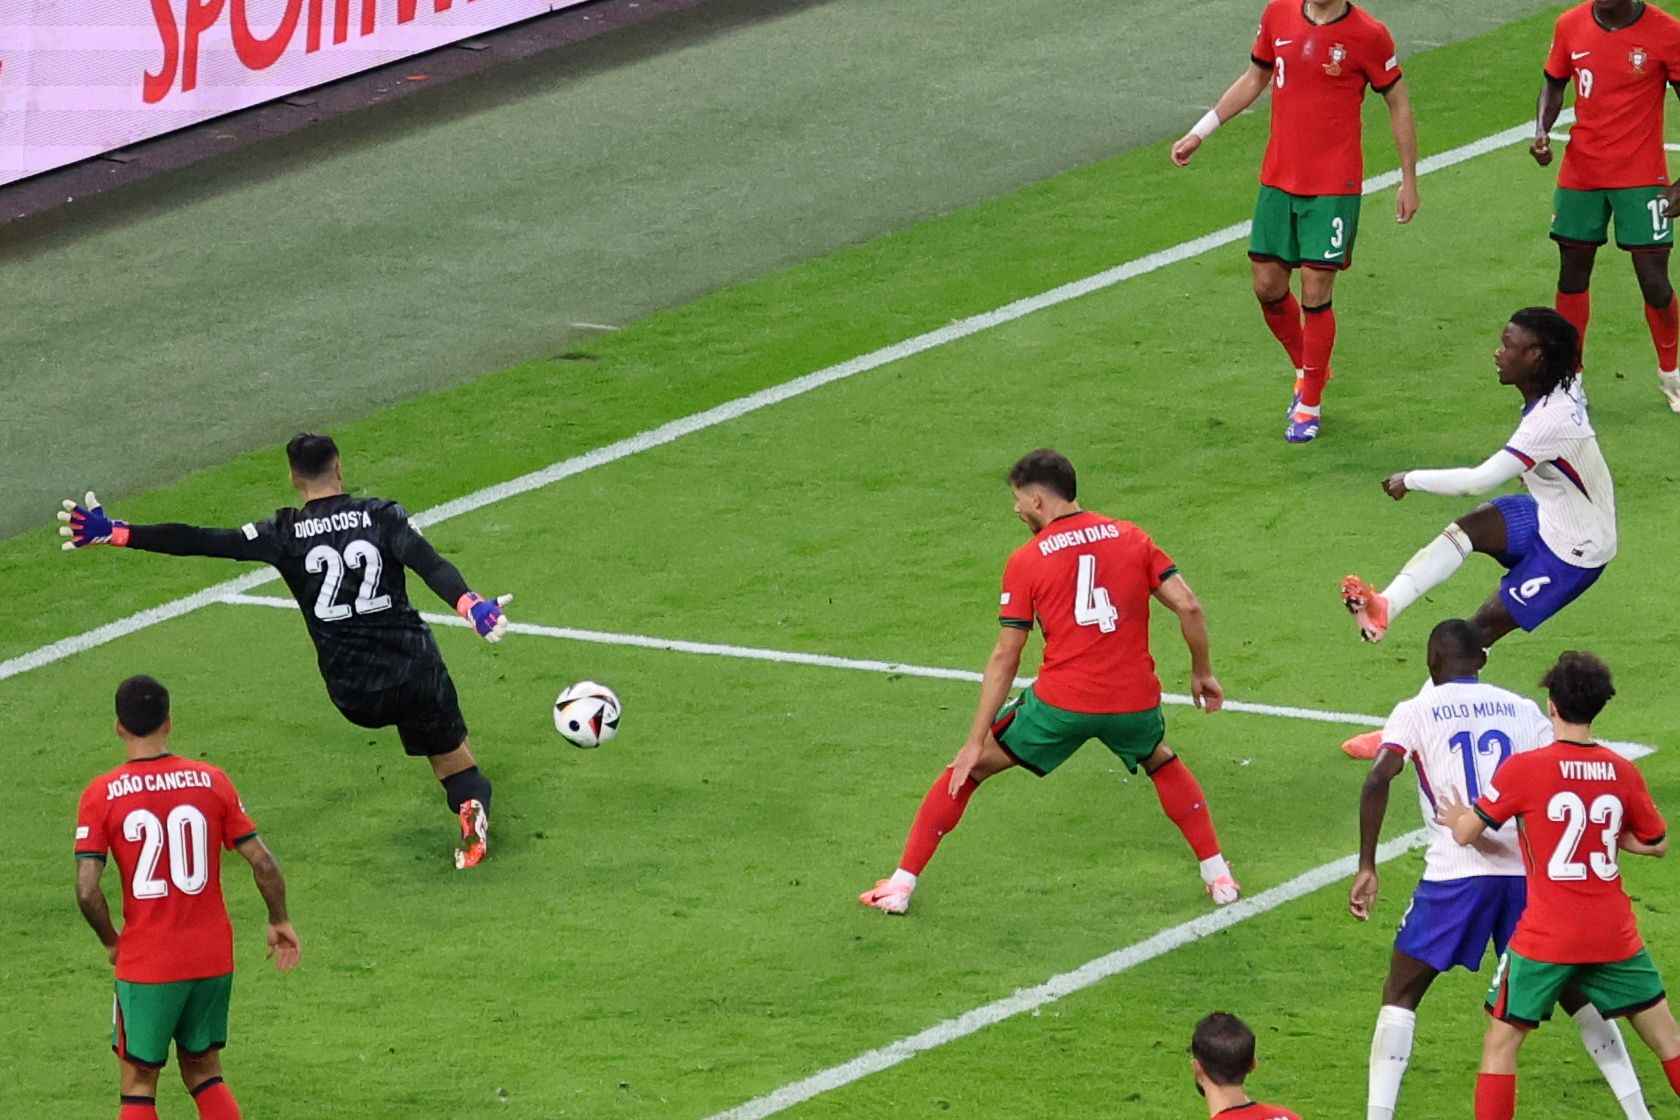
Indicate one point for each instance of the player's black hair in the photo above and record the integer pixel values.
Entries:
(1224, 1046)
(1456, 638)
(1559, 342)
(311, 454)
(142, 705)
(1046, 468)
(1579, 685)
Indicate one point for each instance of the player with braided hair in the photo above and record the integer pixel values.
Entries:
(1553, 541)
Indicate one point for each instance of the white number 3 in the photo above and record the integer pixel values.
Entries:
(1091, 605)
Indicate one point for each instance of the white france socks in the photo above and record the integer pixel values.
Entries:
(1429, 565)
(1603, 1040)
(1391, 1052)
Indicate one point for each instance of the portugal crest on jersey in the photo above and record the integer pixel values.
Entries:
(1637, 56)
(1338, 55)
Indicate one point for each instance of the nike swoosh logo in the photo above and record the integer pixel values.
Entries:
(1578, 54)
(1282, 42)
(1328, 253)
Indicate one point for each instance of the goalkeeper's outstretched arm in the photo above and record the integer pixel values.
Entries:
(86, 523)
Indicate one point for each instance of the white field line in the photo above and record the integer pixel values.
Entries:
(742, 406)
(862, 665)
(1053, 989)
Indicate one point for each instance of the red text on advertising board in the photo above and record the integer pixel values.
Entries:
(179, 35)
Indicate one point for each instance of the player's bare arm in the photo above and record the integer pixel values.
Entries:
(90, 898)
(1545, 116)
(1176, 595)
(1404, 125)
(995, 683)
(1242, 93)
(1463, 821)
(283, 945)
(1373, 806)
(1634, 846)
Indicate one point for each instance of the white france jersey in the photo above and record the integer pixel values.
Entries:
(1456, 734)
(1570, 481)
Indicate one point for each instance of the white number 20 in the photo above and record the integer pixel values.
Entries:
(1091, 604)
(186, 834)
(357, 554)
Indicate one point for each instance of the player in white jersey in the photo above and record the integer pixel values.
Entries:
(1456, 731)
(1555, 540)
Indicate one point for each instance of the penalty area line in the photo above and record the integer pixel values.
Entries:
(1065, 984)
(856, 664)
(752, 402)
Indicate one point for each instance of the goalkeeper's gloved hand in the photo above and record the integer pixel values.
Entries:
(87, 524)
(485, 614)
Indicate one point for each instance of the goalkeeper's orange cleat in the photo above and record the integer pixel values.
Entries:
(1368, 608)
(1366, 746)
(475, 835)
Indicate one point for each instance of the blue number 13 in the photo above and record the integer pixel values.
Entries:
(1491, 742)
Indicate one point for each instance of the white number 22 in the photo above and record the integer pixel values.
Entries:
(1091, 605)
(357, 554)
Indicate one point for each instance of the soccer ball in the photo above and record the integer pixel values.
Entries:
(586, 714)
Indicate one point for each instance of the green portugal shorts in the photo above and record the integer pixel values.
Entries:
(146, 1017)
(1309, 231)
(1042, 736)
(1583, 218)
(1524, 991)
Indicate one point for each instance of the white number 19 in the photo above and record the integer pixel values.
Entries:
(1091, 605)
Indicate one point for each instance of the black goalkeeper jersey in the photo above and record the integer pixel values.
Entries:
(345, 560)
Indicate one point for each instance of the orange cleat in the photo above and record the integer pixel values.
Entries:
(1366, 746)
(1224, 890)
(475, 835)
(887, 896)
(1368, 608)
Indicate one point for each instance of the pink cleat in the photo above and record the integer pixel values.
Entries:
(1224, 890)
(1366, 746)
(887, 896)
(475, 835)
(1368, 608)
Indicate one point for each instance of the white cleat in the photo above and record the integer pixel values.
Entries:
(888, 897)
(1224, 891)
(1670, 383)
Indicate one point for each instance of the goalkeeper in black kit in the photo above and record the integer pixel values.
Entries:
(344, 559)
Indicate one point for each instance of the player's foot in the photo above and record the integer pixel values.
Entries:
(887, 896)
(1368, 608)
(1224, 890)
(475, 835)
(1670, 383)
(1366, 746)
(1303, 427)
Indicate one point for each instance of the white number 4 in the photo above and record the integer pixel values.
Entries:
(1091, 605)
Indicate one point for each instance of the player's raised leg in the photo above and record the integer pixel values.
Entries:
(940, 812)
(1186, 806)
(1480, 530)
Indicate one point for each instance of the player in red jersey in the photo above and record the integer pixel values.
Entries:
(167, 819)
(1088, 580)
(1221, 1058)
(1318, 56)
(1576, 804)
(1622, 55)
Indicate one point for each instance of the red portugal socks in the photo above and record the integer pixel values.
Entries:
(1577, 308)
(1318, 338)
(1672, 1068)
(1496, 1096)
(1283, 319)
(138, 1108)
(215, 1101)
(938, 815)
(1665, 332)
(1182, 801)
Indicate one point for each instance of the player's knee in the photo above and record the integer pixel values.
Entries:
(1657, 290)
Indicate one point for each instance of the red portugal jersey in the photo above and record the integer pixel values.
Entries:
(1254, 1111)
(1572, 803)
(1319, 75)
(1621, 80)
(1087, 579)
(167, 819)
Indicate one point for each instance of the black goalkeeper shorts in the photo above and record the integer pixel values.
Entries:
(424, 709)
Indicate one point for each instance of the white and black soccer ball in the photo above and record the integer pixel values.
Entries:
(586, 714)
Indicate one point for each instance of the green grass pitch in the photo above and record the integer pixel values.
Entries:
(667, 926)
